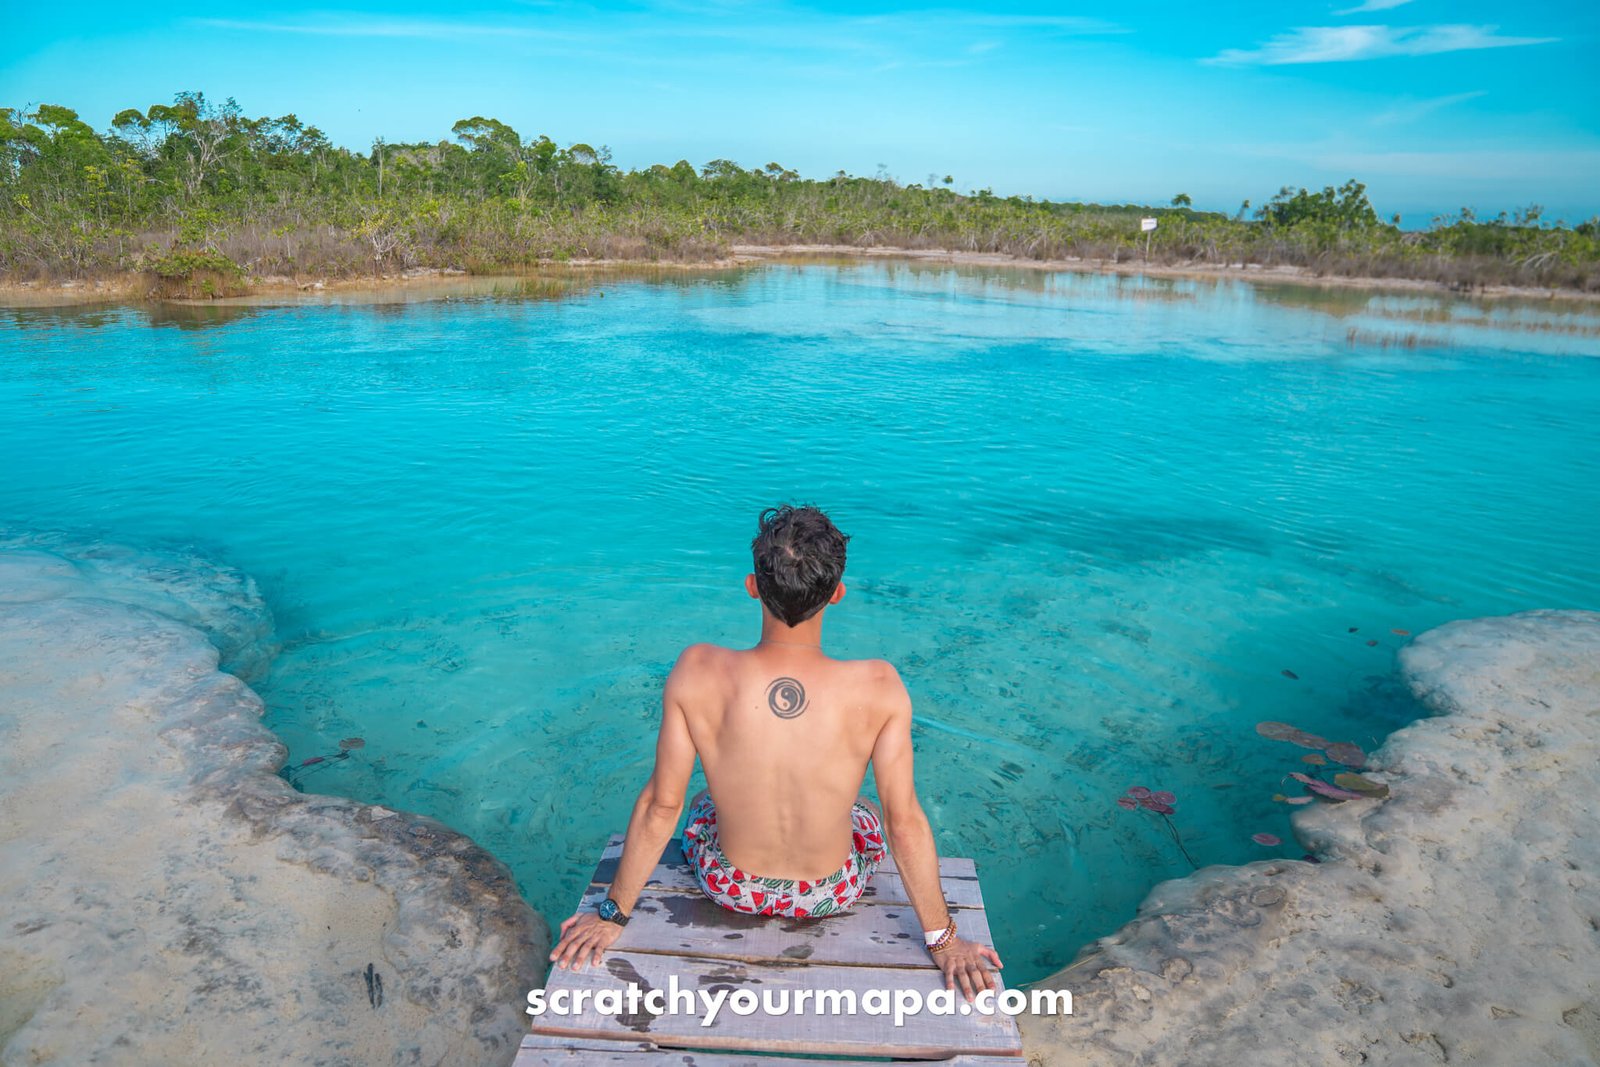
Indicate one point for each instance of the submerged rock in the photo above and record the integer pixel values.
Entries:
(167, 898)
(1453, 922)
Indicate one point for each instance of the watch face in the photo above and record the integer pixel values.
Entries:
(609, 911)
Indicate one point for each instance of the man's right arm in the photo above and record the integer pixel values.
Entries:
(585, 936)
(911, 840)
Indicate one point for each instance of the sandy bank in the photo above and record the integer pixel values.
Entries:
(167, 897)
(1246, 272)
(424, 283)
(1456, 922)
(126, 288)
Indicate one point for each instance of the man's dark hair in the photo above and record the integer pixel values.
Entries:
(799, 559)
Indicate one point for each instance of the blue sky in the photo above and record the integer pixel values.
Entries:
(1434, 105)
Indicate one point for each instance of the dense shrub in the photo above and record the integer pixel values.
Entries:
(272, 196)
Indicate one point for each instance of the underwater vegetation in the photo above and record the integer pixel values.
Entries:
(1163, 805)
(297, 773)
(1346, 785)
(1328, 772)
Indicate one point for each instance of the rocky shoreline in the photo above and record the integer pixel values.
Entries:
(168, 897)
(1457, 921)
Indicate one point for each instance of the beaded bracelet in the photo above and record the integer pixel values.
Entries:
(945, 938)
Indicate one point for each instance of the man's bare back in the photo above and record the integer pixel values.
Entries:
(784, 734)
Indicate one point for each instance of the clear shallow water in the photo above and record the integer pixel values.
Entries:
(1094, 520)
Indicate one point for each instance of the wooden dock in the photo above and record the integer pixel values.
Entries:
(675, 932)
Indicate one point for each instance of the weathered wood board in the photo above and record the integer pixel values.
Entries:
(816, 1029)
(543, 1050)
(678, 938)
(885, 935)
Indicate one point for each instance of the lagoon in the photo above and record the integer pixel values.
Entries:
(1102, 524)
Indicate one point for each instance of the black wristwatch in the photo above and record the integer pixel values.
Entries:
(610, 912)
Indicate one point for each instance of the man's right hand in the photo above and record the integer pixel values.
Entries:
(584, 939)
(966, 962)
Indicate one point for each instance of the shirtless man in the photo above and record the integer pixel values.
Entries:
(785, 735)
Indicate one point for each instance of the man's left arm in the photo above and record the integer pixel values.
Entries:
(586, 936)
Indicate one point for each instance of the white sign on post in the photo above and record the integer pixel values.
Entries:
(1147, 225)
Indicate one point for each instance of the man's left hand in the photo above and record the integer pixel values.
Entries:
(584, 939)
(968, 963)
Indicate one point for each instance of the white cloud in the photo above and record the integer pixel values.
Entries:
(1372, 5)
(1408, 111)
(1337, 44)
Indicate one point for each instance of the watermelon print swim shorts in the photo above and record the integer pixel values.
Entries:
(751, 894)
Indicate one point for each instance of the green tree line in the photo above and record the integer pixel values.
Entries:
(198, 188)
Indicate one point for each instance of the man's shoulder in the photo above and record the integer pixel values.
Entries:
(701, 656)
(701, 671)
(880, 671)
(878, 680)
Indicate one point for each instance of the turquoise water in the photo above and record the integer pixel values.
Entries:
(1094, 520)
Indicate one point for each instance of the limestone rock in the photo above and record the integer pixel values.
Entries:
(167, 898)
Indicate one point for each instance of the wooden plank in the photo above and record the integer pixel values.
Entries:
(815, 1030)
(545, 1050)
(958, 875)
(559, 1057)
(542, 1050)
(885, 935)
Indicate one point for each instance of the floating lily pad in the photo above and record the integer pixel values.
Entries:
(1316, 759)
(1357, 784)
(1282, 731)
(1346, 753)
(351, 743)
(1266, 839)
(1402, 633)
(1127, 802)
(1162, 809)
(1138, 792)
(1332, 792)
(1163, 797)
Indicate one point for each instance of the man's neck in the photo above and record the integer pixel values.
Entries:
(807, 634)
